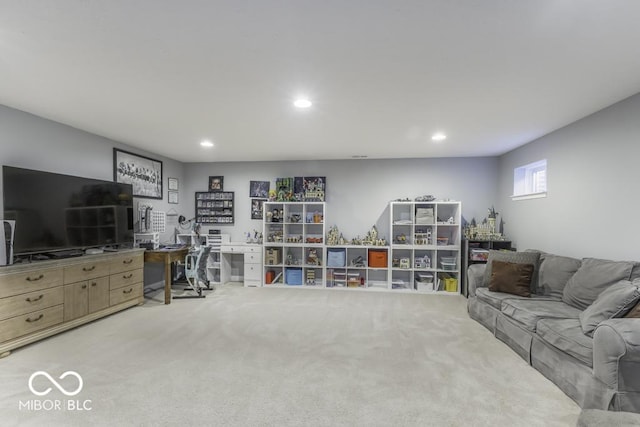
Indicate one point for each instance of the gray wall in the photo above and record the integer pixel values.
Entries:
(32, 142)
(358, 191)
(593, 175)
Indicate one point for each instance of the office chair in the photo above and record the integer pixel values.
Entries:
(195, 272)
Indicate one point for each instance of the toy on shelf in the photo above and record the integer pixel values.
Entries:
(401, 239)
(312, 257)
(294, 239)
(372, 238)
(423, 262)
(333, 235)
(291, 260)
(256, 238)
(275, 237)
(311, 277)
(486, 230)
(336, 238)
(357, 262)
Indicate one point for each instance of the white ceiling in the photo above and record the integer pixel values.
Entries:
(383, 75)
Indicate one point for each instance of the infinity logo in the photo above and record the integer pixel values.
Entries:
(55, 383)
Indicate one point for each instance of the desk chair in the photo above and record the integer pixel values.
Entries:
(195, 271)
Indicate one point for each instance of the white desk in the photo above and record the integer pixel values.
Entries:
(241, 262)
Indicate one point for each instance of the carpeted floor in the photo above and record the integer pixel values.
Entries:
(284, 357)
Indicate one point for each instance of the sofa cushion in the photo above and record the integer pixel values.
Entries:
(529, 311)
(635, 273)
(494, 299)
(594, 276)
(615, 301)
(555, 272)
(515, 257)
(566, 335)
(634, 312)
(511, 277)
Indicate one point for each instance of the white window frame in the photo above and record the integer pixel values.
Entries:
(526, 183)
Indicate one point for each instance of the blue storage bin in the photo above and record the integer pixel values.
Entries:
(293, 276)
(336, 257)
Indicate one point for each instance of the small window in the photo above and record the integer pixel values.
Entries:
(530, 181)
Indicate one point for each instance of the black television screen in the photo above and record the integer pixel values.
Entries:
(58, 212)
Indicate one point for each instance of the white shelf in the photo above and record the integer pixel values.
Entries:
(403, 220)
(417, 223)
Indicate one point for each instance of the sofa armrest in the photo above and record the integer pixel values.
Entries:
(616, 354)
(475, 276)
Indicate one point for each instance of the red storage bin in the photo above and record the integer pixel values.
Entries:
(378, 258)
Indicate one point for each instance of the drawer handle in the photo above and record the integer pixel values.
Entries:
(29, 299)
(128, 292)
(84, 286)
(127, 276)
(127, 261)
(94, 284)
(93, 267)
(35, 279)
(30, 320)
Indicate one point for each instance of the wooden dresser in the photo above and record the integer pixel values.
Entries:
(43, 298)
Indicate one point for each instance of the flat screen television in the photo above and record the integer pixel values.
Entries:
(56, 212)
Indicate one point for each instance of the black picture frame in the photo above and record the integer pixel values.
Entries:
(259, 189)
(143, 173)
(216, 183)
(257, 208)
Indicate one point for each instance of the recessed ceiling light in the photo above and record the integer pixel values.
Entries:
(206, 143)
(302, 103)
(438, 136)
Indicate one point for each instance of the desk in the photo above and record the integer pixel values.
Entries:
(166, 256)
(249, 263)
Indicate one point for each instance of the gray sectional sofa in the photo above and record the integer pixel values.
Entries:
(575, 327)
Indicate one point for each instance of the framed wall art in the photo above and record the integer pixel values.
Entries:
(259, 189)
(216, 183)
(173, 197)
(143, 173)
(257, 206)
(173, 184)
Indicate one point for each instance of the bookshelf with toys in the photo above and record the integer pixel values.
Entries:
(293, 239)
(358, 263)
(425, 247)
(423, 256)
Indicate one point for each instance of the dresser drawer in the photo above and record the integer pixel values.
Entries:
(116, 296)
(27, 323)
(85, 271)
(25, 282)
(125, 278)
(254, 249)
(26, 303)
(252, 272)
(232, 249)
(252, 258)
(125, 263)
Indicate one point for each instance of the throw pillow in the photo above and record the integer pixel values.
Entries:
(555, 272)
(615, 301)
(511, 278)
(634, 312)
(593, 277)
(532, 258)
